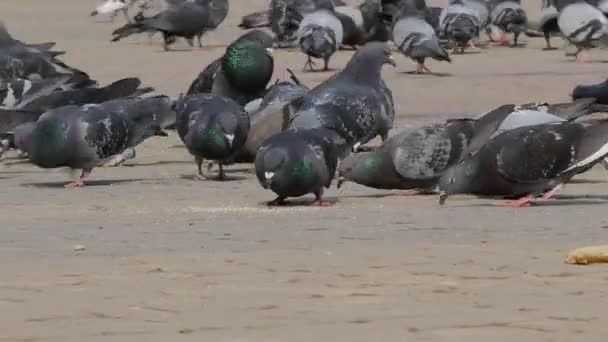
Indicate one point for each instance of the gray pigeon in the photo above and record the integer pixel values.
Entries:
(267, 118)
(17, 93)
(509, 17)
(255, 20)
(582, 25)
(548, 22)
(528, 162)
(242, 73)
(296, 163)
(21, 61)
(212, 127)
(413, 159)
(188, 19)
(361, 24)
(460, 24)
(355, 102)
(416, 39)
(86, 137)
(320, 36)
(121, 88)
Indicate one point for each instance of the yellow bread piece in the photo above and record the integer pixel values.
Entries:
(588, 255)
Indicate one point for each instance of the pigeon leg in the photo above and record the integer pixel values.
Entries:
(79, 182)
(414, 192)
(326, 64)
(190, 41)
(221, 175)
(199, 39)
(605, 164)
(319, 199)
(522, 202)
(199, 165)
(548, 40)
(276, 202)
(582, 56)
(547, 195)
(310, 64)
(471, 44)
(515, 38)
(425, 69)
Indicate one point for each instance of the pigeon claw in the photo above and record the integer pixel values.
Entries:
(519, 203)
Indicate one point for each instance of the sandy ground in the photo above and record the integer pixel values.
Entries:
(169, 258)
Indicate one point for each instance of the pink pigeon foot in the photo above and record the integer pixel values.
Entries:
(519, 203)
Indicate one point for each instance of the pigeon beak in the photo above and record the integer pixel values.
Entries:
(230, 138)
(391, 61)
(443, 196)
(341, 181)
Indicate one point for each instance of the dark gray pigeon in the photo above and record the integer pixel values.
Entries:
(121, 88)
(188, 19)
(459, 24)
(255, 20)
(416, 39)
(86, 137)
(599, 92)
(360, 24)
(296, 163)
(20, 61)
(528, 162)
(320, 36)
(212, 127)
(17, 93)
(509, 17)
(267, 118)
(242, 73)
(355, 102)
(413, 159)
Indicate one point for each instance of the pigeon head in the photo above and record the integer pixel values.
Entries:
(285, 168)
(49, 143)
(214, 135)
(458, 179)
(367, 62)
(361, 168)
(248, 65)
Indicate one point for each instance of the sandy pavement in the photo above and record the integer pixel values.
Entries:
(169, 258)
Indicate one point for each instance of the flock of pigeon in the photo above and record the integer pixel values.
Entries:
(301, 139)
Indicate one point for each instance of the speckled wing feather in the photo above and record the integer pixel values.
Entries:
(537, 153)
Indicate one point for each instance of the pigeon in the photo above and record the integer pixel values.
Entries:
(413, 159)
(482, 9)
(17, 93)
(360, 24)
(296, 163)
(320, 36)
(459, 24)
(255, 20)
(432, 15)
(121, 88)
(112, 7)
(86, 137)
(267, 118)
(528, 162)
(242, 73)
(416, 39)
(582, 25)
(188, 19)
(355, 103)
(599, 92)
(20, 61)
(212, 127)
(509, 17)
(548, 22)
